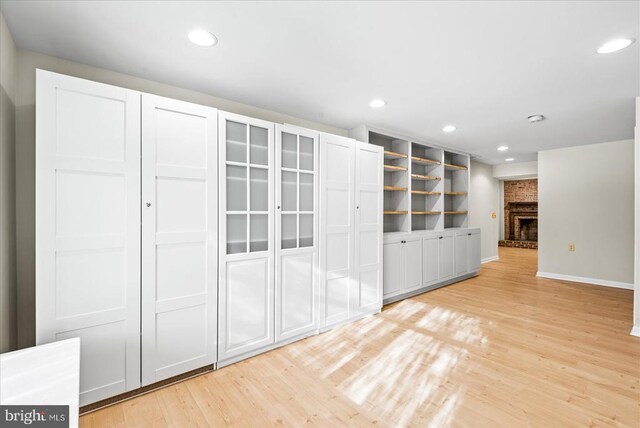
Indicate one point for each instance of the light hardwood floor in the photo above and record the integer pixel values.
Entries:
(502, 349)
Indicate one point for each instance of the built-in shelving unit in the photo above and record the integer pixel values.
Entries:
(456, 188)
(426, 187)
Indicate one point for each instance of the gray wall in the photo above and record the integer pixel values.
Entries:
(25, 155)
(484, 200)
(8, 330)
(586, 197)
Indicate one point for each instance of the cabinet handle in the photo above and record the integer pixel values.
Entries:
(358, 207)
(440, 237)
(278, 206)
(469, 234)
(148, 204)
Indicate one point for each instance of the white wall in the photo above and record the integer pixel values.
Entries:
(484, 201)
(25, 155)
(586, 197)
(636, 294)
(8, 290)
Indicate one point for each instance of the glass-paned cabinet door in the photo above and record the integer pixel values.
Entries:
(296, 187)
(246, 170)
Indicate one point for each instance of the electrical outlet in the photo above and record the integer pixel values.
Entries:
(572, 247)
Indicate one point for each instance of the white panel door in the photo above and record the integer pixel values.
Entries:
(445, 249)
(296, 293)
(337, 213)
(367, 294)
(179, 237)
(412, 264)
(393, 279)
(461, 254)
(430, 260)
(246, 230)
(88, 228)
(473, 251)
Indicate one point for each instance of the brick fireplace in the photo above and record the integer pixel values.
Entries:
(520, 214)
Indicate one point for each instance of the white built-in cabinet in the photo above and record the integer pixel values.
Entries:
(351, 229)
(418, 262)
(179, 237)
(246, 230)
(88, 228)
(297, 179)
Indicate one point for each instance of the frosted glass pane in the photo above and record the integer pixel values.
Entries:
(259, 145)
(306, 230)
(236, 142)
(289, 150)
(289, 190)
(259, 189)
(236, 188)
(306, 153)
(289, 231)
(306, 192)
(236, 233)
(259, 231)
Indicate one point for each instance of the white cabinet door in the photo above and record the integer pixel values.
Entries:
(179, 237)
(337, 212)
(367, 295)
(445, 249)
(430, 260)
(461, 254)
(393, 269)
(246, 231)
(412, 264)
(88, 228)
(296, 307)
(473, 249)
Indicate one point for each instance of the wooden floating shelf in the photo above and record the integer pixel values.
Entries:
(455, 212)
(424, 177)
(394, 168)
(424, 161)
(455, 193)
(395, 188)
(393, 155)
(451, 166)
(426, 212)
(396, 212)
(424, 192)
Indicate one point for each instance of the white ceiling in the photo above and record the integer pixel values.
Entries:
(483, 66)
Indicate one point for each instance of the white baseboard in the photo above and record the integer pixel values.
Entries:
(489, 259)
(635, 331)
(594, 281)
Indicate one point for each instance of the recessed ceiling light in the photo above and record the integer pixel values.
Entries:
(448, 128)
(202, 38)
(615, 45)
(377, 103)
(509, 159)
(536, 118)
(503, 148)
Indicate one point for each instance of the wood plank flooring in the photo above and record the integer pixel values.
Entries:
(502, 349)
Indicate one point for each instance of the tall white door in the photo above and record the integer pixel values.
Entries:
(246, 231)
(296, 293)
(179, 237)
(367, 295)
(88, 228)
(337, 216)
